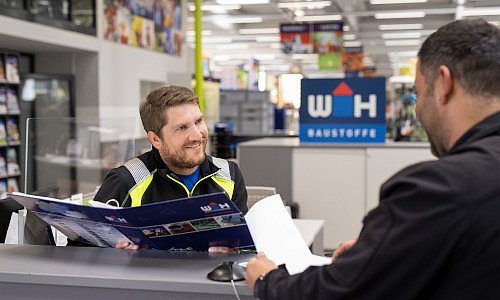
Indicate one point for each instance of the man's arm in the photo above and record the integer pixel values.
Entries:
(398, 253)
(115, 186)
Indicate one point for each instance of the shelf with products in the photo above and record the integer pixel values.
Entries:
(10, 141)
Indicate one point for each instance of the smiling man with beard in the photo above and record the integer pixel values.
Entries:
(177, 166)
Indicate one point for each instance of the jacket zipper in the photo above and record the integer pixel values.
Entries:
(190, 193)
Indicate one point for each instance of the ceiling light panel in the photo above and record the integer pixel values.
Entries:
(259, 30)
(242, 2)
(396, 1)
(402, 35)
(304, 5)
(400, 26)
(319, 18)
(400, 15)
(402, 42)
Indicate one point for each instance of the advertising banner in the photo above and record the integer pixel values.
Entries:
(296, 38)
(348, 110)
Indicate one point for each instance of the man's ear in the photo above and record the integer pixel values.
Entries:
(154, 139)
(444, 84)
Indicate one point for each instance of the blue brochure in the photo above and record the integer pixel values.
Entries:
(194, 223)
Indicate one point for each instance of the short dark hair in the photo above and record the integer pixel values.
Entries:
(153, 107)
(470, 48)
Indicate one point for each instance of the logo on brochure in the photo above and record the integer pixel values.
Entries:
(116, 219)
(213, 207)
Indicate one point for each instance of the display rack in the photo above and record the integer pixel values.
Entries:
(9, 122)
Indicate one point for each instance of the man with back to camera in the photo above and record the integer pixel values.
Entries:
(177, 166)
(435, 232)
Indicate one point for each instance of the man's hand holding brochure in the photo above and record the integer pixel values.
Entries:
(195, 223)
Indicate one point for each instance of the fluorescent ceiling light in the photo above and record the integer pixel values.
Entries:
(352, 44)
(203, 32)
(242, 2)
(319, 18)
(400, 26)
(275, 45)
(216, 8)
(349, 37)
(308, 5)
(400, 15)
(258, 30)
(267, 39)
(402, 35)
(214, 40)
(264, 56)
(234, 46)
(346, 28)
(236, 20)
(402, 43)
(305, 56)
(396, 1)
(490, 11)
(403, 54)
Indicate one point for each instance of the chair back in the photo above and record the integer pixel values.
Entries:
(256, 193)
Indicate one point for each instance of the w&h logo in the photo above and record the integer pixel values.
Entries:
(213, 207)
(344, 102)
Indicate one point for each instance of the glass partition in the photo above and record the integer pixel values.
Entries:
(68, 156)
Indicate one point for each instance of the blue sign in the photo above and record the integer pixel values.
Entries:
(348, 110)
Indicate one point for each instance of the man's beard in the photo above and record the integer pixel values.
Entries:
(179, 159)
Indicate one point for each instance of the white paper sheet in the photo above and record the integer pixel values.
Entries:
(274, 233)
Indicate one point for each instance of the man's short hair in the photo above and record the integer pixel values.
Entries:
(153, 107)
(470, 48)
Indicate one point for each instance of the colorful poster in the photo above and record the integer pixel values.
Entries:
(150, 24)
(296, 38)
(148, 34)
(330, 61)
(352, 59)
(328, 37)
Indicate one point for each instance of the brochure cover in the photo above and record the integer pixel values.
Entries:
(12, 101)
(3, 189)
(3, 133)
(11, 69)
(12, 165)
(12, 185)
(185, 224)
(12, 131)
(3, 100)
(3, 168)
(2, 69)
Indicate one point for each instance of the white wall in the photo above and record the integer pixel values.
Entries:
(108, 75)
(121, 70)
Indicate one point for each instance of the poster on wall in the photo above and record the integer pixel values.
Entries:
(296, 38)
(150, 24)
(348, 110)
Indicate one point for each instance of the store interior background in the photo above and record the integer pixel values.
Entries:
(80, 67)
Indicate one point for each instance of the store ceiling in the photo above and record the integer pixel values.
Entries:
(228, 42)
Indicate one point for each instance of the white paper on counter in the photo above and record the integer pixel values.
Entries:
(275, 234)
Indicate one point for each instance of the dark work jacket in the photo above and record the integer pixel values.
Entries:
(434, 235)
(116, 185)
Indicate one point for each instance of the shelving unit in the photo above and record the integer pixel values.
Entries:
(10, 142)
(249, 111)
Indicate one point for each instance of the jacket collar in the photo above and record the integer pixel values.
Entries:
(487, 127)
